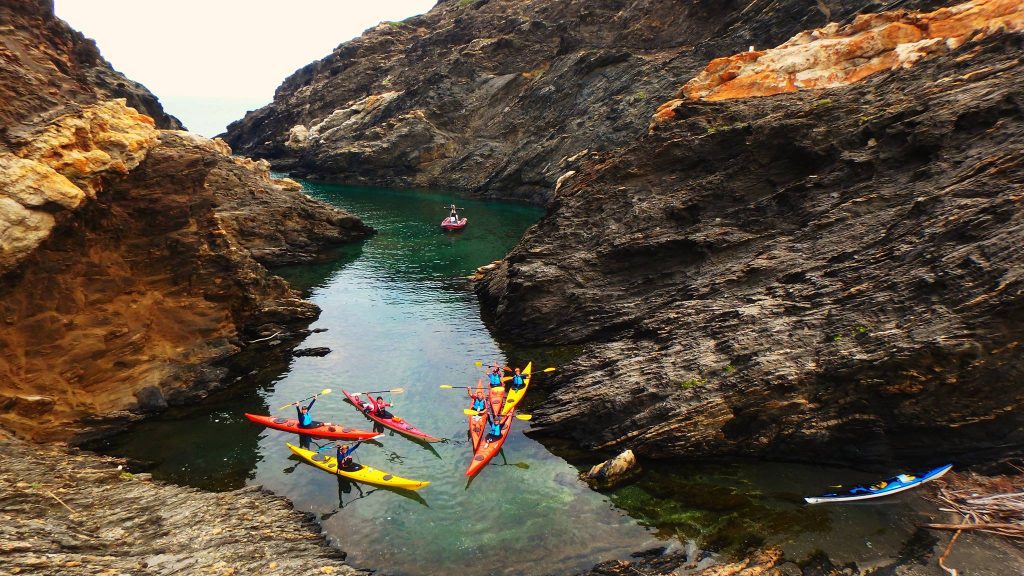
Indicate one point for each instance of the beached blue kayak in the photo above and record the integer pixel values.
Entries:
(884, 488)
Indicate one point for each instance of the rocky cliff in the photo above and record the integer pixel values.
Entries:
(500, 97)
(819, 274)
(132, 259)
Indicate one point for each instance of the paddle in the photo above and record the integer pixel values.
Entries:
(392, 390)
(471, 412)
(323, 392)
(450, 387)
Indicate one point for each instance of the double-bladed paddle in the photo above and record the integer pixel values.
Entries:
(323, 392)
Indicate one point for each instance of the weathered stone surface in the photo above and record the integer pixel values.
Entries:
(500, 97)
(60, 166)
(62, 512)
(612, 472)
(838, 55)
(155, 280)
(831, 277)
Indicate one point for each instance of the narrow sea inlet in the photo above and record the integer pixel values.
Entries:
(397, 312)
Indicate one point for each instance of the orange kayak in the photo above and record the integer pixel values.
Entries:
(476, 421)
(489, 448)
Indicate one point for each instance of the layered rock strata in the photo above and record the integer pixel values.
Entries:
(64, 512)
(825, 275)
(502, 97)
(132, 259)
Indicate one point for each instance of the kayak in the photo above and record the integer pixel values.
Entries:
(359, 472)
(394, 422)
(487, 449)
(446, 224)
(884, 488)
(324, 430)
(476, 421)
(514, 396)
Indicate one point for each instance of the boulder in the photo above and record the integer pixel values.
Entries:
(613, 472)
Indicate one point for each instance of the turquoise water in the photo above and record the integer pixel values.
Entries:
(397, 311)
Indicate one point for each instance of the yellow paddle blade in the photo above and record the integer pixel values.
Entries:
(325, 391)
(287, 405)
(552, 369)
(398, 390)
(524, 416)
(506, 378)
(447, 386)
(478, 363)
(469, 412)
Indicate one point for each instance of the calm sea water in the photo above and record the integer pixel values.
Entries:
(398, 313)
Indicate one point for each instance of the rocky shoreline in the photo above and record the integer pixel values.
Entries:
(68, 512)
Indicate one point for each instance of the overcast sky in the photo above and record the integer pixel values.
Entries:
(209, 61)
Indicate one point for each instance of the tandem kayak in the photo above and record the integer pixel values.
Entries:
(476, 421)
(358, 472)
(514, 396)
(447, 225)
(487, 449)
(323, 430)
(394, 422)
(884, 488)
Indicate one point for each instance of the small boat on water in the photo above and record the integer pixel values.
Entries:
(893, 485)
(449, 226)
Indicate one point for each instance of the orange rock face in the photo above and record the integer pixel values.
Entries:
(836, 56)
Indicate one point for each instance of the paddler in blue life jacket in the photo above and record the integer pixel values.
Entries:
(304, 417)
(478, 401)
(344, 456)
(494, 376)
(518, 381)
(494, 426)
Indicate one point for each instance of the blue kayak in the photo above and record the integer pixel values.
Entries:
(884, 488)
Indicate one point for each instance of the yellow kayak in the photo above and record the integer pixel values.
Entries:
(365, 474)
(513, 396)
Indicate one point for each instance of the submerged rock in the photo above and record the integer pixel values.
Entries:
(612, 472)
(315, 351)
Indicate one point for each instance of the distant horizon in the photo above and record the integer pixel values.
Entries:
(177, 54)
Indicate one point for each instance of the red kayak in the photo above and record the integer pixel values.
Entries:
(489, 448)
(447, 225)
(394, 422)
(476, 421)
(324, 430)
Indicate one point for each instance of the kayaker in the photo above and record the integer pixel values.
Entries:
(380, 408)
(454, 216)
(478, 401)
(305, 418)
(345, 456)
(495, 423)
(494, 376)
(517, 380)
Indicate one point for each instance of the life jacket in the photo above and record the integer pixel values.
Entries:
(478, 404)
(495, 379)
(494, 429)
(305, 419)
(517, 380)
